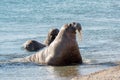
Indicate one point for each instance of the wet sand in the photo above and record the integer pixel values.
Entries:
(107, 74)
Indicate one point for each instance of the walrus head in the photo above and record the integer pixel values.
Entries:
(32, 45)
(77, 26)
(70, 29)
(79, 30)
(51, 36)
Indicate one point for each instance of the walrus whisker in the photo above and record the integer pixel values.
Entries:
(79, 35)
(78, 30)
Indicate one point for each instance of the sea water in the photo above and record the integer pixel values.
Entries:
(22, 20)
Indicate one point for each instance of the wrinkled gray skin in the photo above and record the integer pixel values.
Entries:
(33, 45)
(62, 51)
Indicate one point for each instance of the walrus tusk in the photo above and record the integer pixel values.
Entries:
(79, 35)
(78, 29)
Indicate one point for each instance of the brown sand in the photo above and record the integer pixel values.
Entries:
(108, 74)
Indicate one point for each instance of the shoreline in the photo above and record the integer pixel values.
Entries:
(112, 73)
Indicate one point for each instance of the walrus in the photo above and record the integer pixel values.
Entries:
(51, 36)
(33, 45)
(62, 51)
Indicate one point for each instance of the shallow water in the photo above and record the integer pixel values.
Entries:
(21, 20)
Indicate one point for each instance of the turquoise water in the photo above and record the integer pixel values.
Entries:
(21, 20)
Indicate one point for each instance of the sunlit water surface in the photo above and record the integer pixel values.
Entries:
(21, 20)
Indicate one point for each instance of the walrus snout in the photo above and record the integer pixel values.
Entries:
(77, 26)
(74, 26)
(78, 29)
